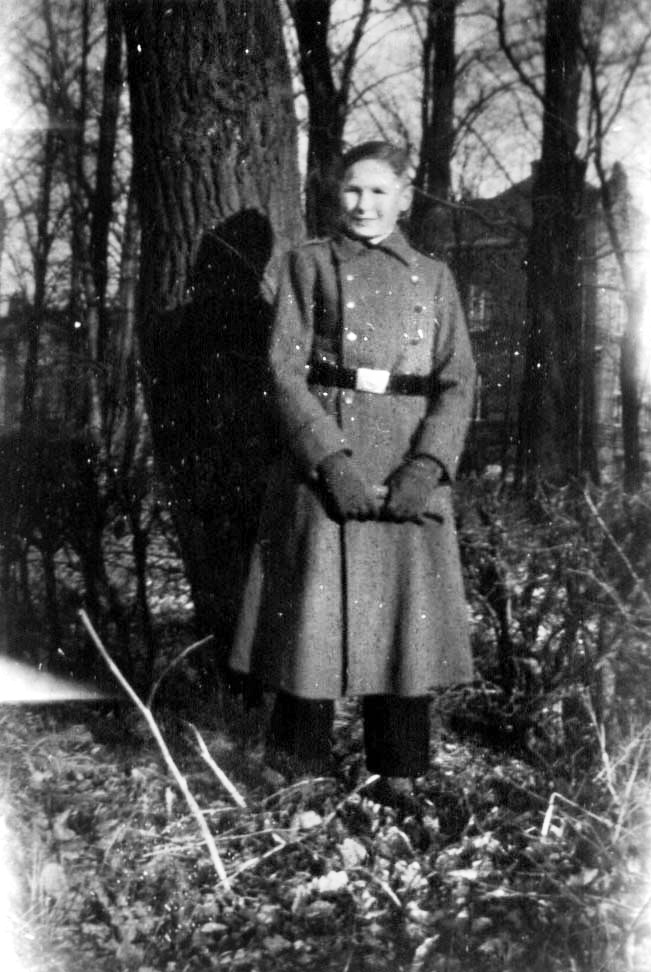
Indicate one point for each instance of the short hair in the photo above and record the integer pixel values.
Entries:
(397, 158)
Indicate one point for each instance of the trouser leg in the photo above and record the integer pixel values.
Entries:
(302, 728)
(396, 734)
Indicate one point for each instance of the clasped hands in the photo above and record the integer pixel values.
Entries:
(408, 490)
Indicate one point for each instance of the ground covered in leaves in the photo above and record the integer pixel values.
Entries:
(487, 872)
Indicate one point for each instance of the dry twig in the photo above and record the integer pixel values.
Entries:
(173, 663)
(167, 756)
(639, 585)
(219, 773)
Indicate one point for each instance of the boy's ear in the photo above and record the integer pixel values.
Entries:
(406, 197)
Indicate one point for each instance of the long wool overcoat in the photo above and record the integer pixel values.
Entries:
(362, 607)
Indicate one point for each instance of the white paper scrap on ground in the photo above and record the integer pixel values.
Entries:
(23, 683)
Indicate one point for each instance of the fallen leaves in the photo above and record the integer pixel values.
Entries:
(323, 877)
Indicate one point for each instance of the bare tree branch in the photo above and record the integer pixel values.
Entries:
(510, 55)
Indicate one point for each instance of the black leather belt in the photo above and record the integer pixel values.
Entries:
(364, 379)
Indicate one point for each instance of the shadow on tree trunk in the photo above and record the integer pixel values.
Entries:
(214, 433)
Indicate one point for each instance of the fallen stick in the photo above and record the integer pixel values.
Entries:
(167, 756)
(219, 773)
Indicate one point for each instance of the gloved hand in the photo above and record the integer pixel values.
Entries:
(410, 487)
(350, 497)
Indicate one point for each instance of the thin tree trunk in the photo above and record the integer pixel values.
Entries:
(328, 104)
(634, 301)
(126, 421)
(82, 406)
(327, 115)
(550, 445)
(102, 208)
(51, 602)
(43, 245)
(139, 547)
(433, 176)
(629, 384)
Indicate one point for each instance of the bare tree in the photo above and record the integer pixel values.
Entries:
(40, 246)
(65, 198)
(328, 100)
(611, 82)
(550, 434)
(434, 173)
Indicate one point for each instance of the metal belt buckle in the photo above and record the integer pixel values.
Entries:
(373, 380)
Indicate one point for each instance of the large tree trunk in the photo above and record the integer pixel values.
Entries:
(552, 392)
(433, 176)
(217, 186)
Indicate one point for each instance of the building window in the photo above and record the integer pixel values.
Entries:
(478, 308)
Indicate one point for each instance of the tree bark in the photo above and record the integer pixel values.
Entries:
(217, 186)
(550, 445)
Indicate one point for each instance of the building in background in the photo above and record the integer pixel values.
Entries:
(488, 242)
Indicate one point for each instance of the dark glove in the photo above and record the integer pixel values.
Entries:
(349, 496)
(410, 487)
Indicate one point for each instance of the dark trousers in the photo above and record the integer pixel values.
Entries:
(396, 732)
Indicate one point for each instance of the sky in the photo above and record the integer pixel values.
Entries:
(14, 113)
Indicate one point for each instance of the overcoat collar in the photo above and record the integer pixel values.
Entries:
(347, 248)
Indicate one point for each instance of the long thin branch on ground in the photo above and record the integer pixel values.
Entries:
(167, 756)
(219, 773)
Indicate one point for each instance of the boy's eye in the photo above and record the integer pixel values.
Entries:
(358, 190)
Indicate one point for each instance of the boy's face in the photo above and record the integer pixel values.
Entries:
(372, 198)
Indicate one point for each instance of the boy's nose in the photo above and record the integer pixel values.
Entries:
(364, 201)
